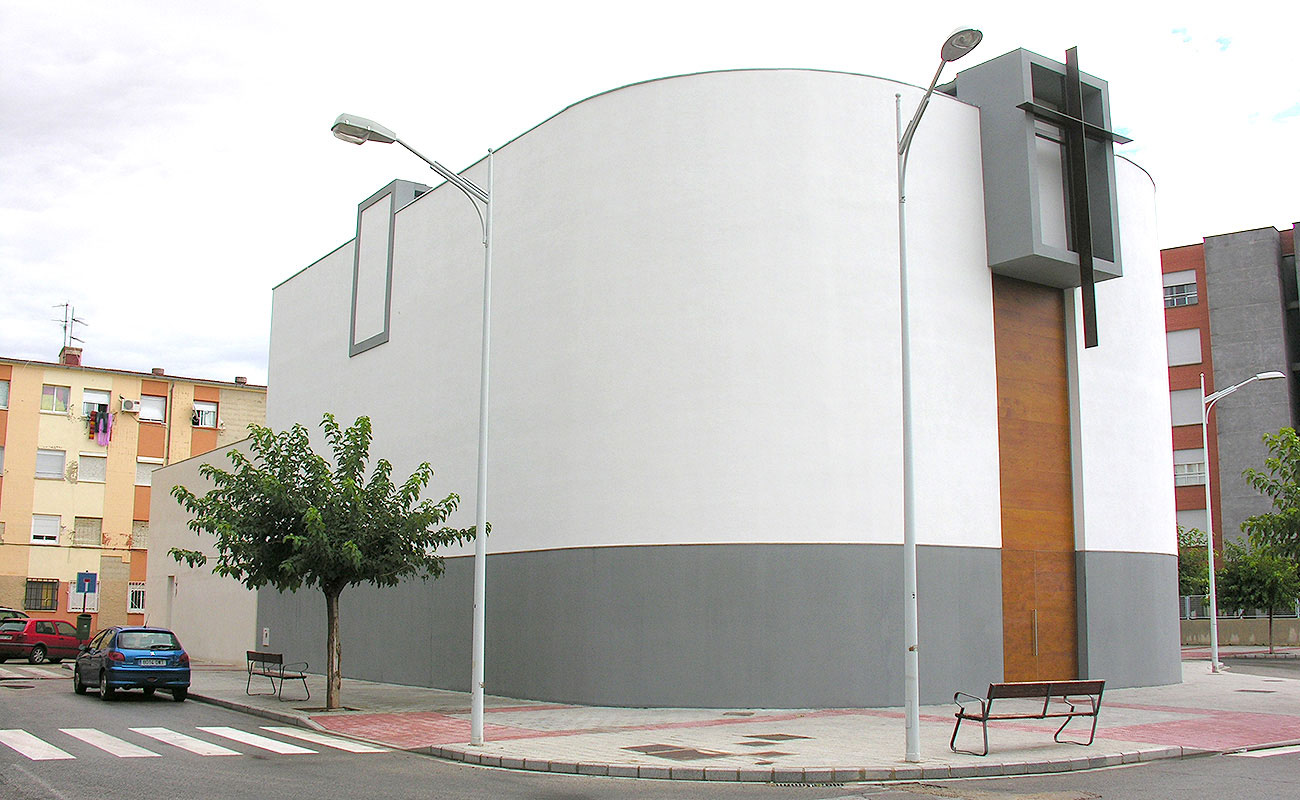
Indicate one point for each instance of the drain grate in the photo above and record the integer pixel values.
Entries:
(16, 686)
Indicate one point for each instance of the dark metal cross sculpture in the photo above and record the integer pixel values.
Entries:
(1076, 132)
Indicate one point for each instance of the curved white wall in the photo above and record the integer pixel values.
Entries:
(695, 323)
(1125, 493)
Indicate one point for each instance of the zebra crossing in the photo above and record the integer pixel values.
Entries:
(154, 742)
(15, 672)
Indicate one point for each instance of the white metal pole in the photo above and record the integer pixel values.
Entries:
(1209, 524)
(911, 658)
(480, 497)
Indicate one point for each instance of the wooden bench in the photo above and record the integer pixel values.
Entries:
(272, 666)
(1062, 700)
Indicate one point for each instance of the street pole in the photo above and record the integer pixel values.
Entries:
(1209, 537)
(957, 45)
(480, 496)
(1207, 404)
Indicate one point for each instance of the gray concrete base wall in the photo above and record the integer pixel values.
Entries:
(1128, 632)
(776, 626)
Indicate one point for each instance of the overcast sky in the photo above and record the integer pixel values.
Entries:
(164, 164)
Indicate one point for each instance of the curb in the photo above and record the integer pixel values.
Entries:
(813, 775)
(822, 775)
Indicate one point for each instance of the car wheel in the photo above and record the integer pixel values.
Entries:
(37, 656)
(105, 691)
(77, 685)
(149, 690)
(180, 694)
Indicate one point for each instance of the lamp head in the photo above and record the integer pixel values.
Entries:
(960, 43)
(359, 130)
(1268, 376)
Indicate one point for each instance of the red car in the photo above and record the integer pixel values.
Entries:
(38, 640)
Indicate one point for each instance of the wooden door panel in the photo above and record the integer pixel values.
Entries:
(1039, 618)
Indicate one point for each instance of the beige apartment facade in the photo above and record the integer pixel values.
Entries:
(78, 447)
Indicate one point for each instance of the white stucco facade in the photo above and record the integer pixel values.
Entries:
(695, 416)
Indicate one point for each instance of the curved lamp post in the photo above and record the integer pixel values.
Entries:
(1207, 403)
(958, 44)
(359, 130)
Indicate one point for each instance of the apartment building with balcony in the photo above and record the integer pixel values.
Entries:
(1231, 311)
(78, 446)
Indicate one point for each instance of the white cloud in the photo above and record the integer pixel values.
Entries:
(166, 164)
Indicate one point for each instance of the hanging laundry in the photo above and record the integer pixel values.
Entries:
(104, 430)
(92, 426)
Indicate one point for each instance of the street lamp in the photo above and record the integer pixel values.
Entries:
(958, 44)
(359, 130)
(1207, 403)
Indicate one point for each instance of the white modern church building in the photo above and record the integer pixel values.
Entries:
(695, 452)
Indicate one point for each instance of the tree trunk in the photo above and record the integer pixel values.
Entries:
(1270, 630)
(334, 650)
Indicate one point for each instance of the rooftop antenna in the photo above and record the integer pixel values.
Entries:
(69, 321)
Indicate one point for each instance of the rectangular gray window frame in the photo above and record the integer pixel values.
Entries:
(398, 195)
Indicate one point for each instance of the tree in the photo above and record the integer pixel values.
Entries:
(1193, 563)
(1254, 578)
(1278, 531)
(285, 518)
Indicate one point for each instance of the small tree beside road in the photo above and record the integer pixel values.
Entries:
(286, 518)
(1279, 530)
(1193, 562)
(1253, 578)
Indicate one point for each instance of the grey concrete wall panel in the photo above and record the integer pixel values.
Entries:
(785, 626)
(1014, 189)
(1247, 335)
(1129, 635)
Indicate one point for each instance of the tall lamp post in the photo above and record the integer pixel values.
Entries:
(1207, 403)
(958, 44)
(359, 130)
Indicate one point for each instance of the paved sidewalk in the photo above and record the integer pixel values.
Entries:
(1206, 713)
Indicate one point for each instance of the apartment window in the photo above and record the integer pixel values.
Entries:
(153, 409)
(144, 468)
(92, 467)
(1189, 467)
(205, 414)
(49, 463)
(42, 595)
(4, 394)
(139, 535)
(1184, 346)
(55, 398)
(2, 459)
(1185, 406)
(88, 531)
(1180, 288)
(135, 597)
(45, 528)
(93, 400)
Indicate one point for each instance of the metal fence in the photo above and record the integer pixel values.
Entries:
(1197, 606)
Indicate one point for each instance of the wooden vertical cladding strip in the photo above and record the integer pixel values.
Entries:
(1040, 628)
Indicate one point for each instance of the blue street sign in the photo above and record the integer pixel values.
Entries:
(86, 582)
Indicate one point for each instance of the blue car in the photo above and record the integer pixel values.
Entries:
(127, 657)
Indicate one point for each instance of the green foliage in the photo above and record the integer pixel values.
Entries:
(1278, 531)
(1254, 578)
(285, 519)
(1193, 562)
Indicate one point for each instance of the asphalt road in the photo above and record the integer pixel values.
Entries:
(145, 758)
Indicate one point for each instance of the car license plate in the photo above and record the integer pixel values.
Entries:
(152, 662)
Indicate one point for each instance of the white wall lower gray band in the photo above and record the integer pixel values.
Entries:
(776, 626)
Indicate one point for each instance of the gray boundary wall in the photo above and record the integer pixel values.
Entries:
(766, 625)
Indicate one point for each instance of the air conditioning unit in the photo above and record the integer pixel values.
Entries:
(130, 406)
